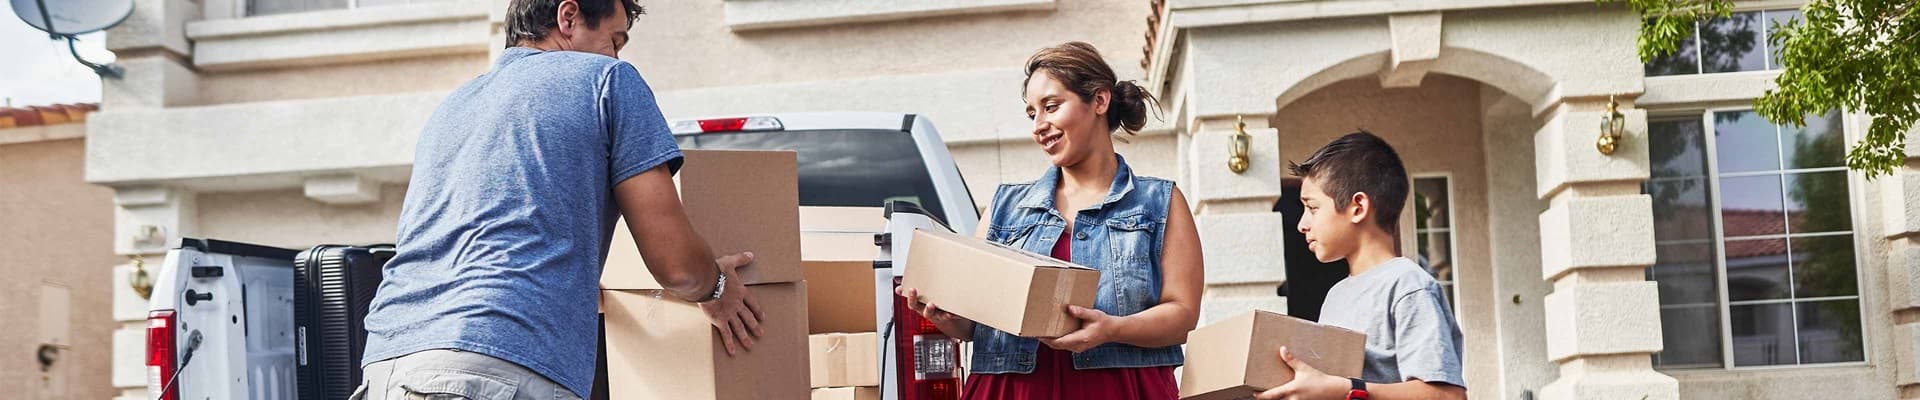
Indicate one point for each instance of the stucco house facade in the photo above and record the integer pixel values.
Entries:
(1711, 254)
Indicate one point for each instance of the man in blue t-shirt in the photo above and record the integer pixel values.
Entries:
(518, 179)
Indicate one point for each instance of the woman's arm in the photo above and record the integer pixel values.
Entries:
(1165, 324)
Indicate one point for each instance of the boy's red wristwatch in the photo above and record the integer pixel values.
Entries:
(1359, 391)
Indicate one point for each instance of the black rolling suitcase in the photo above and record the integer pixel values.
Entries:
(332, 288)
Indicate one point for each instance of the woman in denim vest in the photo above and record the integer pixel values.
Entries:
(1091, 209)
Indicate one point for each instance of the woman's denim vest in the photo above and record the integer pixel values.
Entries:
(1121, 237)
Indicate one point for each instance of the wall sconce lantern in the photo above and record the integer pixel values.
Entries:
(1240, 141)
(1612, 126)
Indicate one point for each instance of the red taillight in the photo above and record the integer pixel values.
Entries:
(929, 360)
(160, 354)
(722, 125)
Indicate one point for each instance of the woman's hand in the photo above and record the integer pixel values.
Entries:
(1096, 328)
(926, 310)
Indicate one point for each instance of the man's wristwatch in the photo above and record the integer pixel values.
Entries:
(719, 288)
(1359, 391)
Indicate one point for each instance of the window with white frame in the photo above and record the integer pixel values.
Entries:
(1753, 229)
(1433, 231)
(1736, 43)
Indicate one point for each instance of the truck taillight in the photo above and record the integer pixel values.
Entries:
(723, 125)
(934, 358)
(161, 354)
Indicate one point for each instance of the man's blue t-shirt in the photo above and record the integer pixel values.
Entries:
(510, 210)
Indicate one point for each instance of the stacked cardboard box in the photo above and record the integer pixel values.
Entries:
(843, 290)
(1240, 357)
(659, 347)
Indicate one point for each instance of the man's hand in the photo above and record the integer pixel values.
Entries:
(1095, 329)
(736, 314)
(1308, 383)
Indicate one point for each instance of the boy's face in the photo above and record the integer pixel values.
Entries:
(1332, 231)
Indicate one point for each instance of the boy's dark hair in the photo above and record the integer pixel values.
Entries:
(1359, 162)
(530, 20)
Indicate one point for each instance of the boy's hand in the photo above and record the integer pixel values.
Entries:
(1095, 329)
(1308, 383)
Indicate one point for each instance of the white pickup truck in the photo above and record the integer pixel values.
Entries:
(221, 324)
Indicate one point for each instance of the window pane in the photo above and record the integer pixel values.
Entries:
(1683, 61)
(1819, 144)
(1830, 332)
(1757, 269)
(1435, 254)
(1680, 209)
(1732, 44)
(1779, 18)
(1817, 202)
(1745, 142)
(267, 7)
(1685, 274)
(1430, 200)
(1677, 148)
(1823, 266)
(1690, 337)
(1751, 205)
(1762, 334)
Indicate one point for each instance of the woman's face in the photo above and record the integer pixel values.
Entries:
(1067, 127)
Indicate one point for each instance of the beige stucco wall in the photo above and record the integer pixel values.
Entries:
(1437, 130)
(54, 228)
(287, 218)
(1513, 243)
(686, 44)
(439, 73)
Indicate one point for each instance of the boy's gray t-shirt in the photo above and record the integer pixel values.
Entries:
(1411, 332)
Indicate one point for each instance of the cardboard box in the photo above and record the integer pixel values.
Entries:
(738, 201)
(843, 219)
(661, 348)
(1006, 288)
(844, 359)
(837, 253)
(847, 393)
(840, 296)
(1239, 357)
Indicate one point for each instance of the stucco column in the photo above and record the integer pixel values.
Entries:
(1596, 241)
(1901, 202)
(152, 48)
(1240, 235)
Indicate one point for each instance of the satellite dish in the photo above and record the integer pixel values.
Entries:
(73, 17)
(65, 19)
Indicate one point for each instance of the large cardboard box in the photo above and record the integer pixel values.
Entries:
(1006, 288)
(847, 393)
(738, 201)
(662, 348)
(1239, 357)
(844, 359)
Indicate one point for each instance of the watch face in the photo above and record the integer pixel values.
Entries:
(1357, 394)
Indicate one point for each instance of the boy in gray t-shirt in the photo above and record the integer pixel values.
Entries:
(1352, 191)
